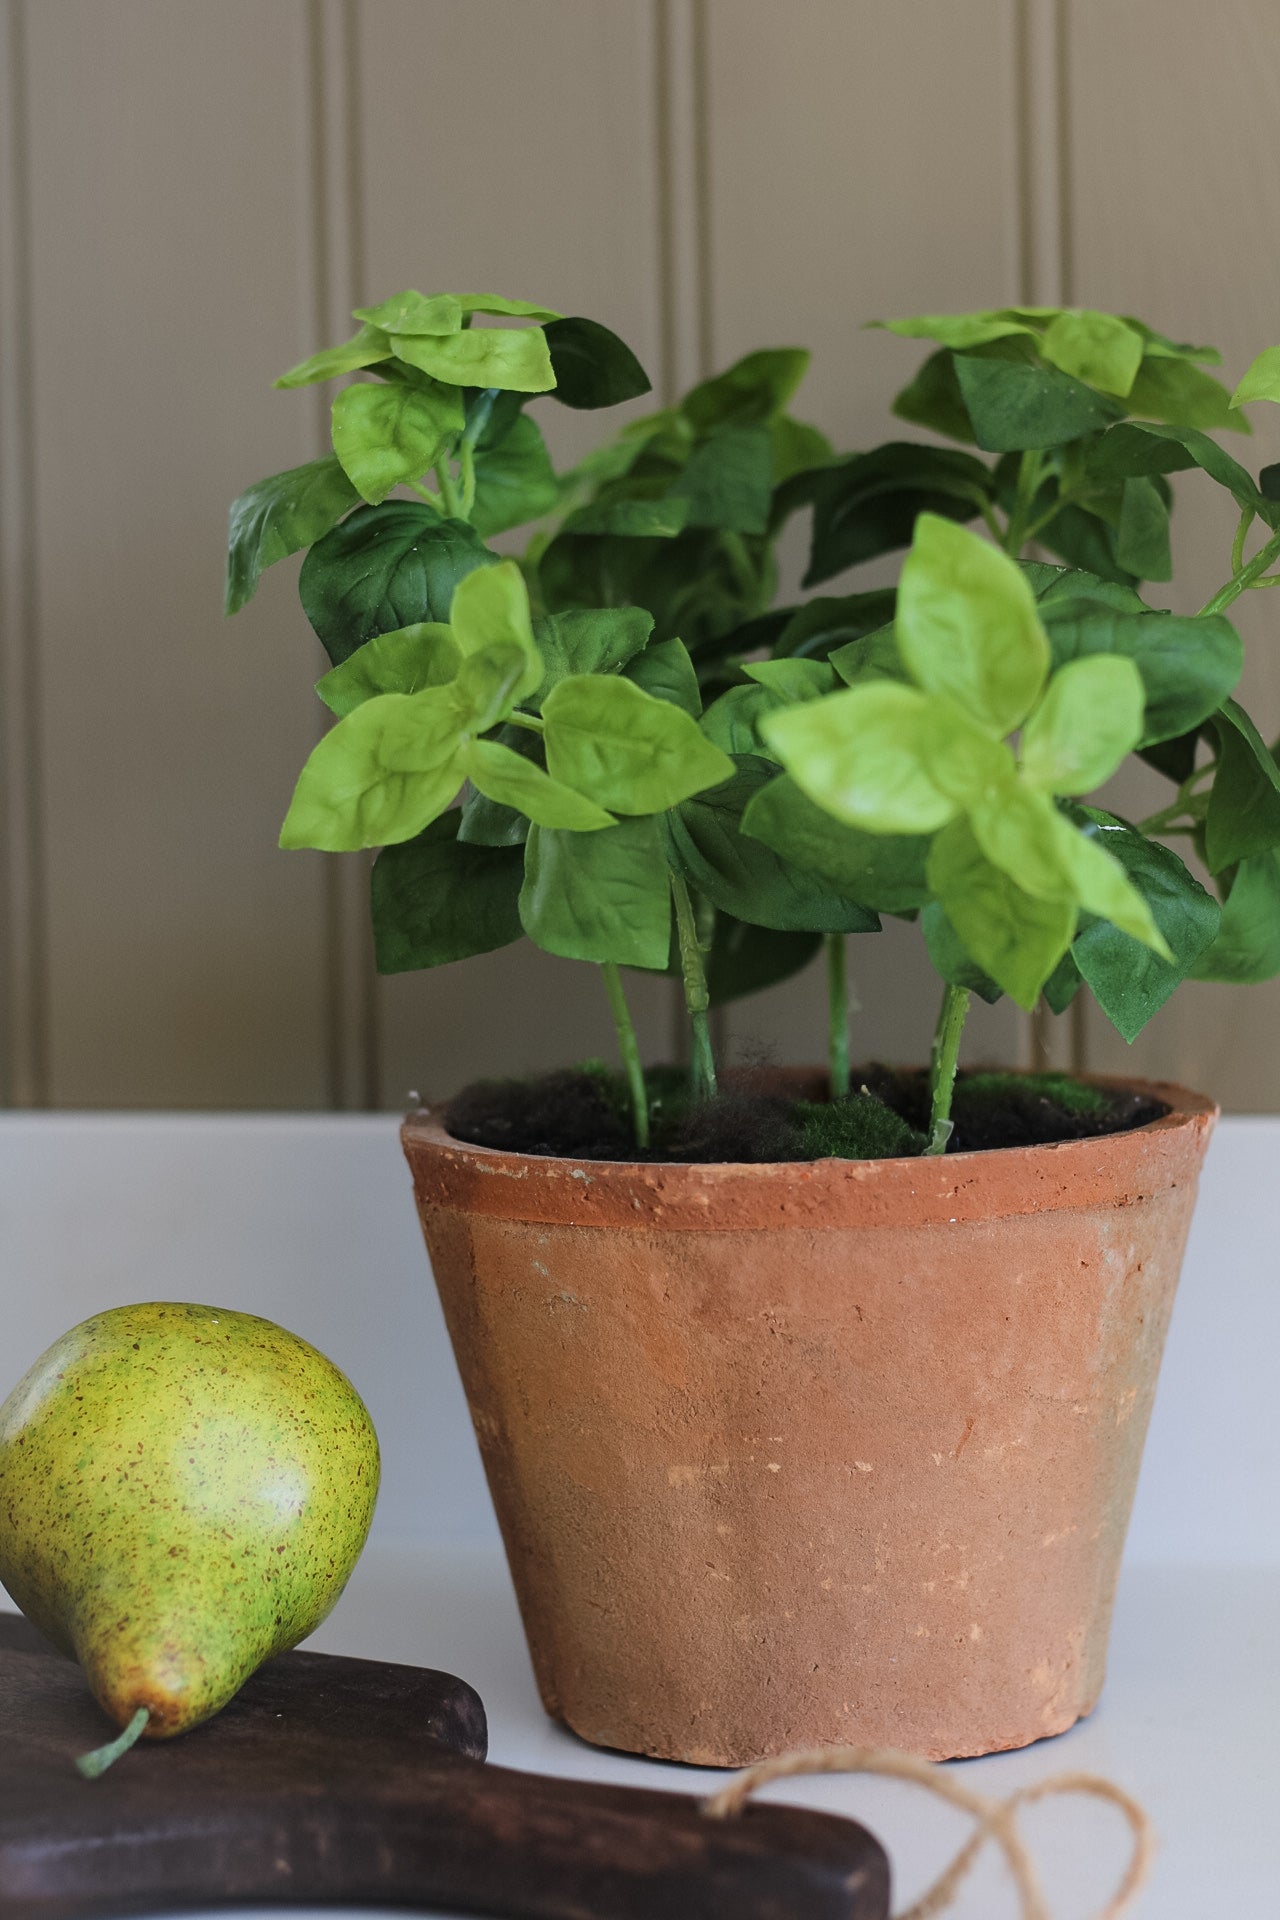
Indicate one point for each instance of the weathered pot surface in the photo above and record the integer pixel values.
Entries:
(796, 1454)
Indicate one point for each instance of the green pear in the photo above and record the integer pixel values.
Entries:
(183, 1494)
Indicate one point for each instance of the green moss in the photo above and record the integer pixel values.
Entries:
(1001, 1091)
(860, 1127)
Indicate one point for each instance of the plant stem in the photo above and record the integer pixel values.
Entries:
(467, 462)
(1029, 468)
(838, 1015)
(91, 1765)
(425, 493)
(1244, 576)
(533, 721)
(942, 1065)
(630, 1051)
(702, 1065)
(448, 492)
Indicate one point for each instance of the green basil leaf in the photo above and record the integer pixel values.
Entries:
(414, 313)
(869, 504)
(633, 519)
(385, 568)
(728, 481)
(825, 623)
(515, 359)
(875, 657)
(513, 781)
(1097, 348)
(885, 872)
(384, 435)
(589, 640)
(1189, 664)
(732, 722)
(964, 329)
(934, 400)
(1244, 801)
(1088, 719)
(364, 349)
(754, 389)
(381, 775)
(1148, 446)
(599, 896)
(967, 625)
(868, 756)
(1142, 537)
(1087, 541)
(666, 671)
(490, 607)
(407, 661)
(592, 367)
(796, 447)
(1158, 345)
(1174, 391)
(793, 679)
(1027, 838)
(629, 751)
(1247, 948)
(744, 877)
(1129, 981)
(1262, 381)
(1013, 937)
(513, 309)
(276, 517)
(951, 959)
(436, 899)
(1063, 984)
(487, 823)
(1014, 405)
(515, 480)
(744, 959)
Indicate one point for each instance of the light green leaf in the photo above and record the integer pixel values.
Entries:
(1089, 718)
(1094, 347)
(1013, 937)
(634, 519)
(494, 303)
(513, 781)
(793, 679)
(732, 722)
(437, 899)
(407, 661)
(515, 481)
(488, 684)
(1014, 405)
(390, 433)
(1026, 837)
(491, 608)
(1262, 382)
(665, 670)
(1189, 663)
(960, 330)
(631, 752)
(589, 640)
(276, 517)
(1174, 391)
(364, 349)
(883, 871)
(599, 896)
(967, 625)
(381, 775)
(414, 313)
(514, 359)
(866, 756)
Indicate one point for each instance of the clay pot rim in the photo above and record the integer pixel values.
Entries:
(1114, 1168)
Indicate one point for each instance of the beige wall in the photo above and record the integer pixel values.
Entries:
(195, 191)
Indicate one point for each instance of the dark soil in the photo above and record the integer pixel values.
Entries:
(583, 1113)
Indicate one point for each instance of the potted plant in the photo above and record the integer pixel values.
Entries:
(812, 1403)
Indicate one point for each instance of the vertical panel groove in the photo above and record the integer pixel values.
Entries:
(337, 284)
(24, 1067)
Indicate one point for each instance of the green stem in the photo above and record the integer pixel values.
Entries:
(467, 461)
(942, 1065)
(838, 1015)
(533, 721)
(1244, 576)
(1029, 469)
(629, 1048)
(91, 1765)
(1237, 545)
(425, 493)
(702, 1065)
(448, 492)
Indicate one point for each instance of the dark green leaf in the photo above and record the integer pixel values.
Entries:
(1189, 663)
(824, 623)
(728, 481)
(732, 721)
(1174, 391)
(885, 872)
(951, 960)
(1143, 447)
(515, 480)
(934, 400)
(1015, 405)
(276, 517)
(436, 899)
(592, 366)
(745, 959)
(1244, 801)
(384, 568)
(1269, 483)
(1142, 538)
(796, 447)
(1129, 981)
(744, 877)
(1063, 984)
(753, 389)
(1087, 541)
(665, 670)
(589, 640)
(599, 896)
(1247, 948)
(869, 504)
(633, 519)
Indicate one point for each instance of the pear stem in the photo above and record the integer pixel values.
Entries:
(91, 1765)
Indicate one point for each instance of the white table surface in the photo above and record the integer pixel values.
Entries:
(308, 1220)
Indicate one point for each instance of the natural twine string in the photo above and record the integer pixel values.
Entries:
(996, 1819)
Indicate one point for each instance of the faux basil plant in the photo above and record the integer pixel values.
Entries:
(537, 751)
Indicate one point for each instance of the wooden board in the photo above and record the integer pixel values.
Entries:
(354, 1781)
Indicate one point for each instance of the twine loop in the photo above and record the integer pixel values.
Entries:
(996, 1820)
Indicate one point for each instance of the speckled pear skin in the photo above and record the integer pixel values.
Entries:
(184, 1492)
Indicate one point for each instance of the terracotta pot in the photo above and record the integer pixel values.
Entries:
(820, 1452)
